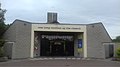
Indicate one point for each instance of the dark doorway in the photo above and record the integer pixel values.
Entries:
(111, 50)
(57, 48)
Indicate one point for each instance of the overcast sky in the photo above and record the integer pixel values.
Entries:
(69, 11)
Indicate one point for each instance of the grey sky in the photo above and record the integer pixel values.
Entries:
(70, 11)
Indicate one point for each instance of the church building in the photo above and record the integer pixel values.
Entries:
(54, 39)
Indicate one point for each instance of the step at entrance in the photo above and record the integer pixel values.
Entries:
(57, 58)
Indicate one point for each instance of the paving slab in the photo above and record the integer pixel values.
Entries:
(60, 63)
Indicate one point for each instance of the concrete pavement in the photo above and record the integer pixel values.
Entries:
(60, 63)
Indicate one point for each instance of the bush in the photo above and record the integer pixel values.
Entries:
(118, 52)
(1, 52)
(1, 48)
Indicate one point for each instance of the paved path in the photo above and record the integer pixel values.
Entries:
(60, 63)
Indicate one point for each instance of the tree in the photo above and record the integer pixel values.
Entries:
(3, 27)
(2, 24)
(117, 39)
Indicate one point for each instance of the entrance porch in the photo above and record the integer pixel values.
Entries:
(58, 44)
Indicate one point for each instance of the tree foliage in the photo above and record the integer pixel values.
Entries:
(2, 24)
(117, 39)
(118, 52)
(3, 27)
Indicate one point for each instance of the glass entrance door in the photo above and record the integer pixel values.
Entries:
(57, 48)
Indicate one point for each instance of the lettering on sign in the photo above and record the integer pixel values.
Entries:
(61, 28)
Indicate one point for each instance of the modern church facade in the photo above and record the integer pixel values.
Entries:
(53, 39)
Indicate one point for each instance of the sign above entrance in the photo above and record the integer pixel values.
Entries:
(61, 28)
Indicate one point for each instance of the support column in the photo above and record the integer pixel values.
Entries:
(76, 45)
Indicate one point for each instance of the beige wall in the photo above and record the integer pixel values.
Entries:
(19, 33)
(23, 40)
(96, 36)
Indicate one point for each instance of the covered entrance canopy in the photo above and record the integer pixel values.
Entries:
(56, 43)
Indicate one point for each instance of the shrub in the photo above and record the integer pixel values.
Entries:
(1, 48)
(118, 52)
